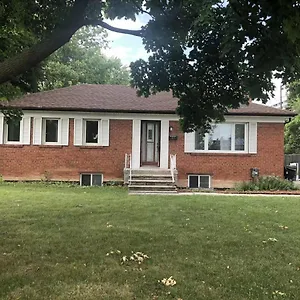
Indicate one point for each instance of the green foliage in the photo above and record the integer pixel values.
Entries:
(81, 61)
(214, 55)
(267, 183)
(13, 114)
(294, 96)
(292, 136)
(8, 91)
(292, 129)
(211, 54)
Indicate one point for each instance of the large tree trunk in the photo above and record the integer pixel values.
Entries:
(29, 58)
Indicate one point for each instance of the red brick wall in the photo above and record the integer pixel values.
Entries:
(66, 162)
(227, 169)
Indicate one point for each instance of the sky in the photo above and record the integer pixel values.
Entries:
(130, 48)
(126, 47)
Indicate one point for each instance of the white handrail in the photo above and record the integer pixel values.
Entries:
(128, 164)
(130, 167)
(173, 165)
(126, 161)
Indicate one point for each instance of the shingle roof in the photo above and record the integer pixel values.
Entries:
(118, 98)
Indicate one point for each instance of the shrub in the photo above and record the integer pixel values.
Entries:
(267, 183)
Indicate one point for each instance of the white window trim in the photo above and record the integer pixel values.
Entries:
(5, 137)
(44, 132)
(246, 146)
(91, 174)
(99, 143)
(199, 175)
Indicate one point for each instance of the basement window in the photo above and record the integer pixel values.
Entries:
(199, 181)
(91, 179)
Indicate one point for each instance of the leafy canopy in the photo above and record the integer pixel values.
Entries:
(292, 129)
(212, 54)
(81, 61)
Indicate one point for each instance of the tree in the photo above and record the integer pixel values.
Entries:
(212, 54)
(81, 61)
(292, 129)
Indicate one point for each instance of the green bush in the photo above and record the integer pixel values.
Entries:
(267, 183)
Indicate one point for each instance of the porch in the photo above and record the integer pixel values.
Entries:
(150, 179)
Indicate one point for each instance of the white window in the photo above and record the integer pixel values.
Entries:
(199, 181)
(92, 132)
(51, 131)
(91, 179)
(224, 137)
(12, 130)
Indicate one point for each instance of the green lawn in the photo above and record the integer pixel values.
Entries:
(55, 240)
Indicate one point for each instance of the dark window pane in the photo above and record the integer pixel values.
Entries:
(91, 132)
(199, 140)
(150, 134)
(97, 179)
(51, 131)
(85, 179)
(13, 131)
(204, 182)
(240, 137)
(193, 182)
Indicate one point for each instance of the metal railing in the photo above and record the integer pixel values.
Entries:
(173, 165)
(128, 164)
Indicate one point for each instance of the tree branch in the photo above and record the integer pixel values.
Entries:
(141, 10)
(101, 23)
(29, 58)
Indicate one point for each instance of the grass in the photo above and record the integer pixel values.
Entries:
(55, 239)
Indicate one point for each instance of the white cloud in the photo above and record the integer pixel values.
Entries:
(126, 54)
(126, 47)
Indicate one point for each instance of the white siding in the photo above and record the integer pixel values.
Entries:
(189, 142)
(105, 133)
(164, 146)
(26, 130)
(65, 131)
(78, 134)
(37, 131)
(136, 143)
(1, 129)
(252, 137)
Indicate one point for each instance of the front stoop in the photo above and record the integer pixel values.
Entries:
(148, 181)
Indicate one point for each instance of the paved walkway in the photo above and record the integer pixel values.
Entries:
(215, 194)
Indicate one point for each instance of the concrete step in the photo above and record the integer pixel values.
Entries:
(152, 180)
(151, 188)
(150, 172)
(153, 192)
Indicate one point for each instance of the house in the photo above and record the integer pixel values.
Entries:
(94, 133)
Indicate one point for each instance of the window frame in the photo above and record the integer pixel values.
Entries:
(5, 130)
(206, 140)
(44, 120)
(99, 139)
(91, 178)
(199, 175)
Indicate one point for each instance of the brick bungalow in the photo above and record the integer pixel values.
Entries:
(85, 133)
